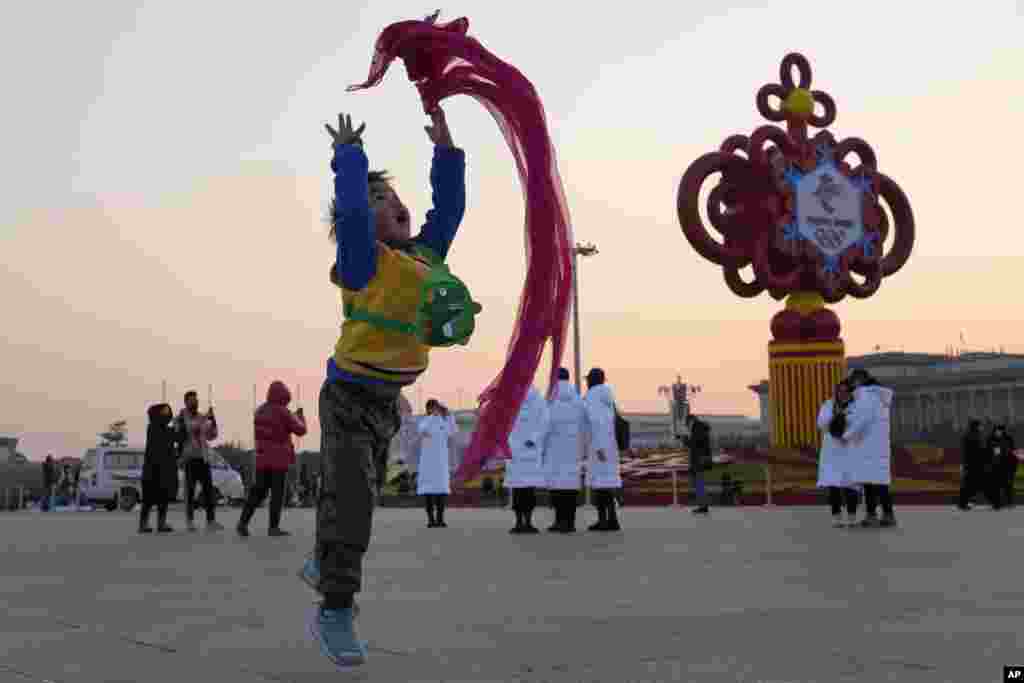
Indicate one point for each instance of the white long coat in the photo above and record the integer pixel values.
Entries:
(600, 408)
(564, 447)
(835, 463)
(433, 473)
(525, 469)
(868, 435)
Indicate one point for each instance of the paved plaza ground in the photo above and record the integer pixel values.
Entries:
(750, 594)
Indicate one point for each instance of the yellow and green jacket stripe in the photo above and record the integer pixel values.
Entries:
(380, 284)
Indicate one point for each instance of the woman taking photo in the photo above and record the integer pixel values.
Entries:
(834, 466)
(275, 453)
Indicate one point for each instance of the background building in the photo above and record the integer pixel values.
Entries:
(935, 391)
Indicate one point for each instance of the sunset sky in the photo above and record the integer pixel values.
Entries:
(166, 175)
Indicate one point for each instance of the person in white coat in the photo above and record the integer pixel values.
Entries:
(524, 473)
(835, 471)
(867, 437)
(603, 474)
(563, 452)
(433, 475)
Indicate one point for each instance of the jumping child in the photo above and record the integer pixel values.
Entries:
(380, 270)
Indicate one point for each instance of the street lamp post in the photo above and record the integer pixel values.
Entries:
(579, 250)
(679, 402)
(587, 249)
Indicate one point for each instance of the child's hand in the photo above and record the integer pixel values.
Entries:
(439, 133)
(345, 135)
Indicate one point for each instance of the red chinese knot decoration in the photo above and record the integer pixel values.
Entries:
(794, 208)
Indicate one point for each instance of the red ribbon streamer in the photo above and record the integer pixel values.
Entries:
(442, 60)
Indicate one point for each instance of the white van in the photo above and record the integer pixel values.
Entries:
(113, 477)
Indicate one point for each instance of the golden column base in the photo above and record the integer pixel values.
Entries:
(802, 375)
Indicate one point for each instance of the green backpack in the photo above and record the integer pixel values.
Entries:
(446, 312)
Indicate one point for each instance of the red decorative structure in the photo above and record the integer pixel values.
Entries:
(810, 224)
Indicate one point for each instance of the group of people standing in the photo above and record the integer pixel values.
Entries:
(551, 442)
(185, 441)
(989, 466)
(59, 484)
(171, 441)
(855, 453)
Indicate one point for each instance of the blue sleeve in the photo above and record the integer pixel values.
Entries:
(448, 181)
(353, 221)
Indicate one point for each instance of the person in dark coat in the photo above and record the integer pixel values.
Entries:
(977, 464)
(699, 445)
(274, 427)
(160, 468)
(64, 485)
(1004, 463)
(76, 473)
(49, 482)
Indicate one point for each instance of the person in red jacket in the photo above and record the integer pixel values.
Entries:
(275, 453)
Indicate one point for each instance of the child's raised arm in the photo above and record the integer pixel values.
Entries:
(448, 181)
(350, 215)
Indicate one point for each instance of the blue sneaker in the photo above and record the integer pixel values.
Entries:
(310, 573)
(335, 631)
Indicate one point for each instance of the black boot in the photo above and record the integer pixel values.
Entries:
(144, 527)
(517, 507)
(528, 527)
(243, 521)
(570, 512)
(888, 515)
(518, 528)
(431, 521)
(613, 518)
(870, 520)
(439, 507)
(161, 521)
(558, 503)
(602, 514)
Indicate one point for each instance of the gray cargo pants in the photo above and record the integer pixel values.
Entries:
(357, 424)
